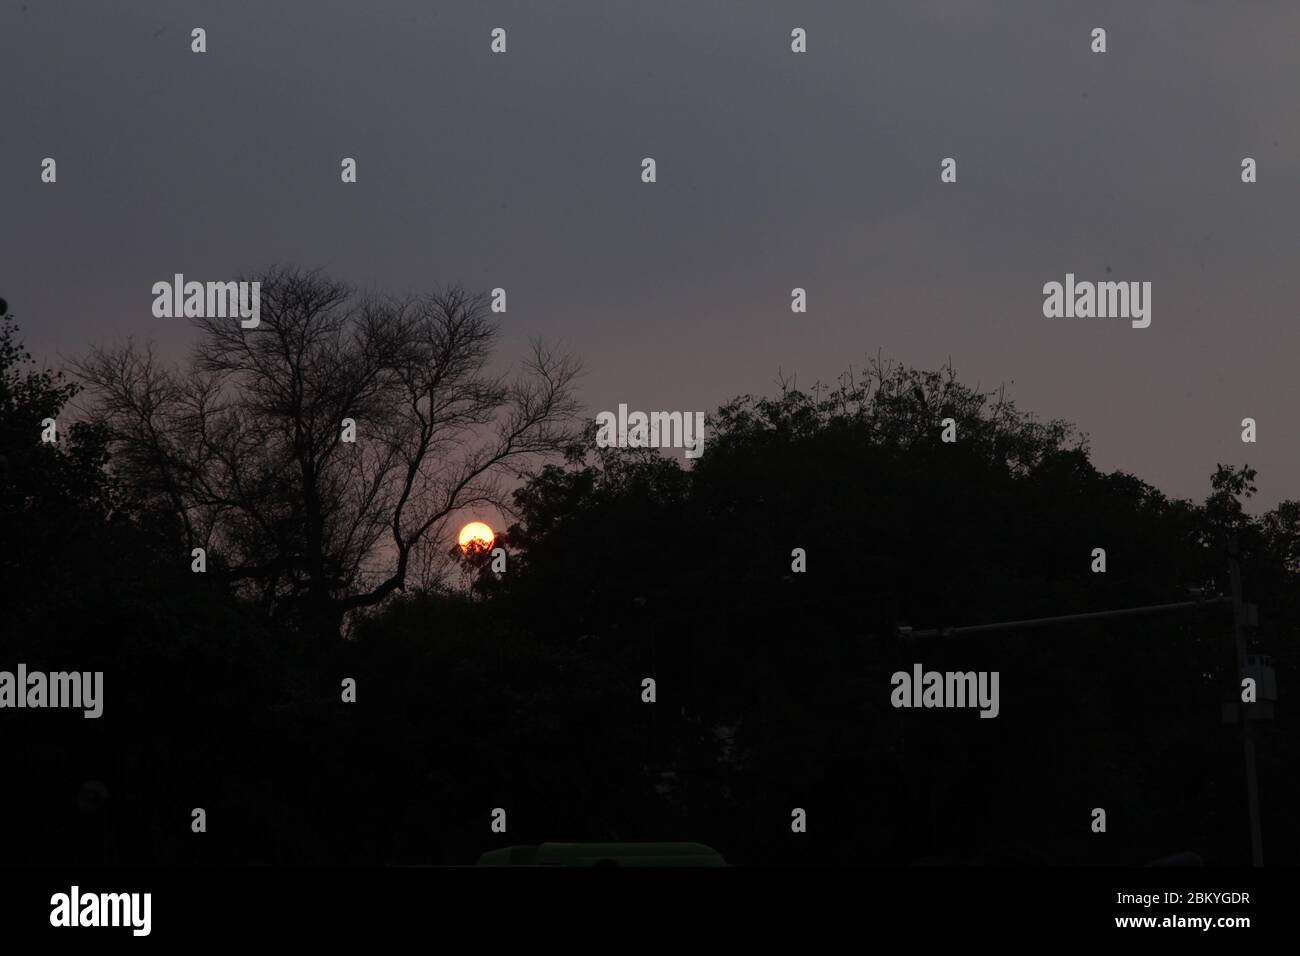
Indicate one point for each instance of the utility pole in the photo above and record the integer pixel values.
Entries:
(1243, 615)
(1239, 624)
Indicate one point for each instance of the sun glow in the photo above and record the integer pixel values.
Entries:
(476, 535)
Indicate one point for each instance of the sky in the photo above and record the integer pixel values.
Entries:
(775, 170)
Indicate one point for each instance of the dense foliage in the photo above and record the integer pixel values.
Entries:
(524, 691)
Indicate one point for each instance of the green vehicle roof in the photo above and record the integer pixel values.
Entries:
(604, 854)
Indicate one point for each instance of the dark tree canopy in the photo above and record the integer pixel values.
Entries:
(780, 677)
(773, 686)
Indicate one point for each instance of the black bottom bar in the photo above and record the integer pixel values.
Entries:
(567, 907)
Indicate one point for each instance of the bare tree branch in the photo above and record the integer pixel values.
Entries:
(245, 446)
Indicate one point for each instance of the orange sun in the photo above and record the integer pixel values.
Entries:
(476, 535)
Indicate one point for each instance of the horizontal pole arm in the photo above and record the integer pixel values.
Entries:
(1090, 616)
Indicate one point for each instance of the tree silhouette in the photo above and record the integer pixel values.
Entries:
(652, 569)
(773, 686)
(246, 447)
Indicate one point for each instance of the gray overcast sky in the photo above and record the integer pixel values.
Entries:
(775, 170)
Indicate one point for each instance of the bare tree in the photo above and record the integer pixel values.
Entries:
(246, 446)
